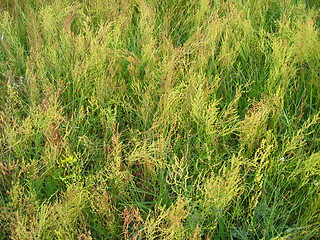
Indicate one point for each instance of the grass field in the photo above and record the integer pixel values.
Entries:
(159, 119)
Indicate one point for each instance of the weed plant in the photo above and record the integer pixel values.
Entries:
(159, 119)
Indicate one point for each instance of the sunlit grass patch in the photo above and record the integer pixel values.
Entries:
(159, 119)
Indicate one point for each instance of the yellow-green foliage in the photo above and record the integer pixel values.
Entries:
(159, 119)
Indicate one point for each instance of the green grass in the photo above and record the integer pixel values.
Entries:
(172, 119)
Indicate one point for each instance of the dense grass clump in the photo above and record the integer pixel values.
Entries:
(168, 119)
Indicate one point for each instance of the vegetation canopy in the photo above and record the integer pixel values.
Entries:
(159, 119)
